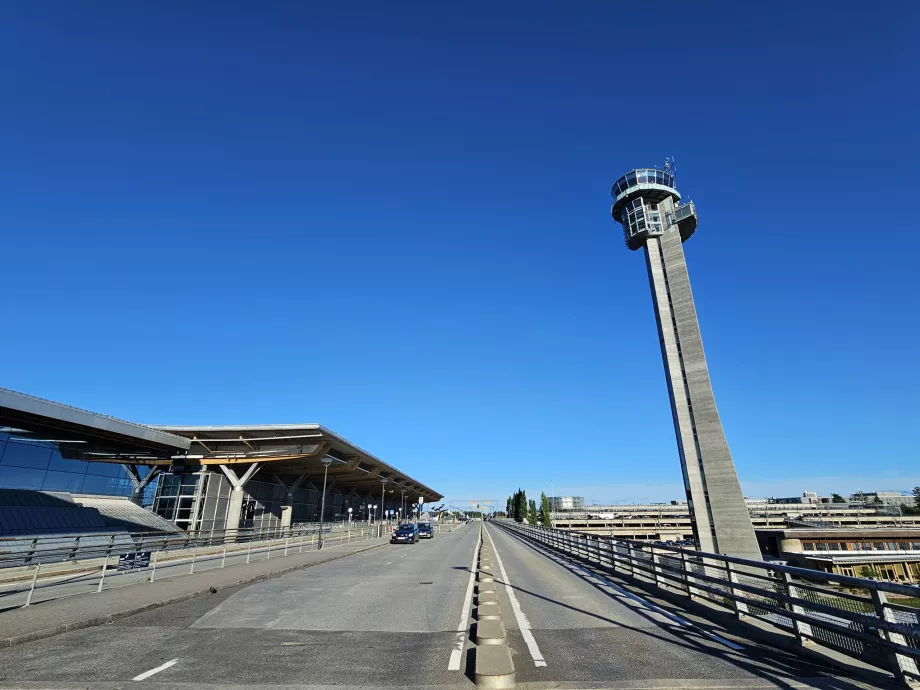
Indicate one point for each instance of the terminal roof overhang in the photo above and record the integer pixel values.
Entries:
(298, 449)
(86, 435)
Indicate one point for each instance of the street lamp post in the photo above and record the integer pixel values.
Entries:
(383, 489)
(322, 510)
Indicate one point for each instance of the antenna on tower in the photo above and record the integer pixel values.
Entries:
(669, 166)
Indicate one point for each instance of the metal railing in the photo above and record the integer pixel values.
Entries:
(856, 616)
(51, 569)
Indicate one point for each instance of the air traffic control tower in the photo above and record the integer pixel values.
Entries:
(647, 205)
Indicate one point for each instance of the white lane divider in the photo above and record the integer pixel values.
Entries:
(456, 654)
(522, 621)
(683, 622)
(162, 667)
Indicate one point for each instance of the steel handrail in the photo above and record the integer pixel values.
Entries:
(879, 638)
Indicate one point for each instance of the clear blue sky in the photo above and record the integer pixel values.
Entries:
(393, 219)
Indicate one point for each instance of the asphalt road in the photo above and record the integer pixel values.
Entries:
(584, 630)
(386, 617)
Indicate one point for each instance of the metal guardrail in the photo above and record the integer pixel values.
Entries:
(848, 614)
(18, 551)
(90, 563)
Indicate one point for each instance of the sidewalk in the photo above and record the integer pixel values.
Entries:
(86, 610)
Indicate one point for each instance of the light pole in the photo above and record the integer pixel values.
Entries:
(322, 510)
(349, 518)
(402, 505)
(383, 489)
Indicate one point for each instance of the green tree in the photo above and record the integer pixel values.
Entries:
(520, 506)
(916, 493)
(532, 513)
(546, 517)
(837, 498)
(508, 505)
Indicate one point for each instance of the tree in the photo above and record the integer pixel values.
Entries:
(520, 506)
(916, 493)
(837, 498)
(532, 513)
(508, 505)
(546, 511)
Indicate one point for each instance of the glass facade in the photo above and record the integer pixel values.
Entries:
(38, 465)
(647, 176)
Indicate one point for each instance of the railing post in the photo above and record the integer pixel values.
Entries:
(803, 632)
(108, 551)
(38, 567)
(300, 543)
(194, 556)
(631, 558)
(105, 563)
(688, 578)
(74, 549)
(32, 548)
(223, 557)
(286, 540)
(655, 577)
(248, 548)
(740, 607)
(903, 667)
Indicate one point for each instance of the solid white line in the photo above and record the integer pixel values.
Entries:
(683, 622)
(522, 621)
(146, 674)
(456, 653)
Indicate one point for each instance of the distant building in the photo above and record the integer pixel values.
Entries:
(807, 498)
(891, 553)
(889, 498)
(567, 502)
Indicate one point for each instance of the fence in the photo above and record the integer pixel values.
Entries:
(858, 617)
(46, 568)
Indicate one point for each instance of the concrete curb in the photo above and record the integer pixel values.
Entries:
(112, 617)
(494, 667)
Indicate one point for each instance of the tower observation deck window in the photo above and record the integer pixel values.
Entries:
(642, 177)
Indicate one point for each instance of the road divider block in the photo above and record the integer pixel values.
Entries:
(494, 667)
(486, 587)
(487, 598)
(490, 632)
(489, 611)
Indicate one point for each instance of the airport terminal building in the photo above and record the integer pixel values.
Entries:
(198, 478)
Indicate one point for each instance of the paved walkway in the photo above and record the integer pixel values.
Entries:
(84, 610)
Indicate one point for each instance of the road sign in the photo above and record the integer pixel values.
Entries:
(134, 561)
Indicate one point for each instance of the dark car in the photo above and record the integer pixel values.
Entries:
(425, 530)
(405, 534)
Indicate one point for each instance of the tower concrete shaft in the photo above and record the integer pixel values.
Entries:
(646, 204)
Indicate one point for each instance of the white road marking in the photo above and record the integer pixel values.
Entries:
(456, 654)
(683, 622)
(522, 621)
(146, 674)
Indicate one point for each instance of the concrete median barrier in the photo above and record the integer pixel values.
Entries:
(494, 667)
(490, 632)
(487, 598)
(488, 612)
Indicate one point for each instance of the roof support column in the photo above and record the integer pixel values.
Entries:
(235, 504)
(288, 508)
(137, 484)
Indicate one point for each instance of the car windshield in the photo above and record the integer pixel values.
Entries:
(406, 525)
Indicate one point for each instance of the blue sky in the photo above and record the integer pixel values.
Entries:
(394, 220)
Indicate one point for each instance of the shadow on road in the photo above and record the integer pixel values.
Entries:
(774, 664)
